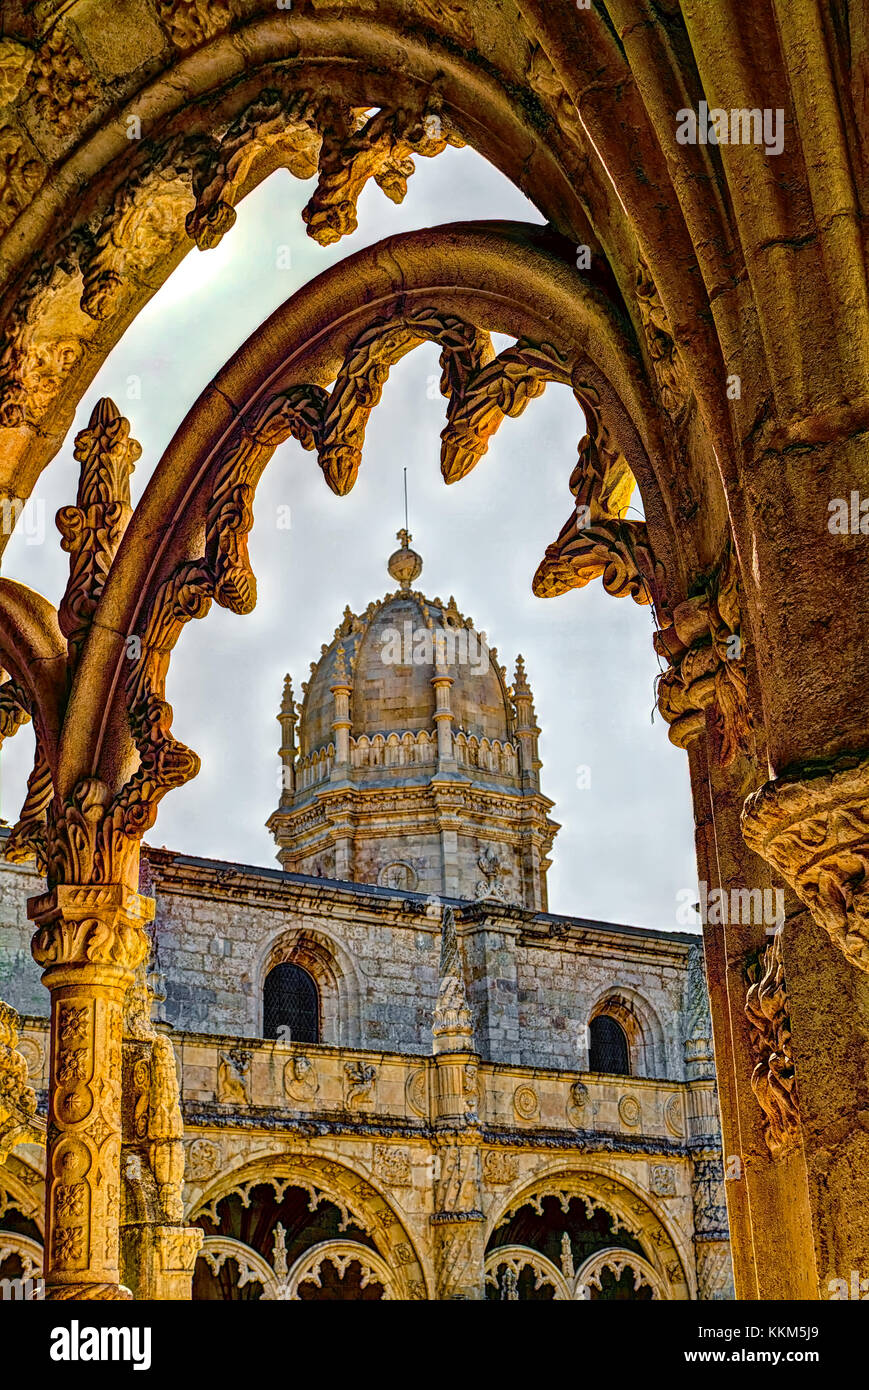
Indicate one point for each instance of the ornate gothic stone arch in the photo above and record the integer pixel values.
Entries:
(632, 1210)
(505, 1264)
(348, 1188)
(702, 252)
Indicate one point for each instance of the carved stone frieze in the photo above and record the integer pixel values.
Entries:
(447, 14)
(392, 1165)
(774, 1079)
(360, 1080)
(64, 88)
(16, 60)
(41, 341)
(814, 831)
(21, 174)
(143, 226)
(233, 1077)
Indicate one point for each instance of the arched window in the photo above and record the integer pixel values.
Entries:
(608, 1050)
(291, 1005)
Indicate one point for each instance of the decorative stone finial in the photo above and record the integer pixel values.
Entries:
(342, 675)
(405, 565)
(520, 679)
(288, 706)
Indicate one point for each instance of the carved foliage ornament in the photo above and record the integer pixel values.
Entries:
(598, 540)
(379, 146)
(814, 830)
(773, 1079)
(18, 1121)
(91, 531)
(705, 648)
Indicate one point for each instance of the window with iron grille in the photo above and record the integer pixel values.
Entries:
(608, 1049)
(291, 1005)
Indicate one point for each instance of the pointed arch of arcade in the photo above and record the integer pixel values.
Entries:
(714, 260)
(665, 1248)
(349, 1188)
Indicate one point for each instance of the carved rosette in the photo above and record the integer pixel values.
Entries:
(814, 831)
(774, 1079)
(89, 941)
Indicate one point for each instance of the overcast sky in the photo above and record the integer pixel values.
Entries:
(626, 844)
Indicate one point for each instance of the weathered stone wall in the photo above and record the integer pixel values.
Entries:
(374, 953)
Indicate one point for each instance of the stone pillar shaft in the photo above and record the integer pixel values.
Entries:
(767, 1195)
(341, 725)
(443, 716)
(89, 941)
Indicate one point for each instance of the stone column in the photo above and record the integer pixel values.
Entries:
(711, 1234)
(443, 717)
(89, 941)
(458, 1223)
(765, 1175)
(341, 722)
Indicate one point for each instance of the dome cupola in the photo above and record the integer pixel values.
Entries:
(411, 761)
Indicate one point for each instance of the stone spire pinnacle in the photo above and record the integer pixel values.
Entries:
(288, 706)
(453, 1025)
(404, 565)
(287, 750)
(521, 688)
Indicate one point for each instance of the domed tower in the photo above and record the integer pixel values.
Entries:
(411, 763)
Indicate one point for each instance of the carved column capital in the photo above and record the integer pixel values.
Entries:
(97, 925)
(814, 830)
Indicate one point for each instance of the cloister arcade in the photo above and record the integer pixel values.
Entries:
(706, 303)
